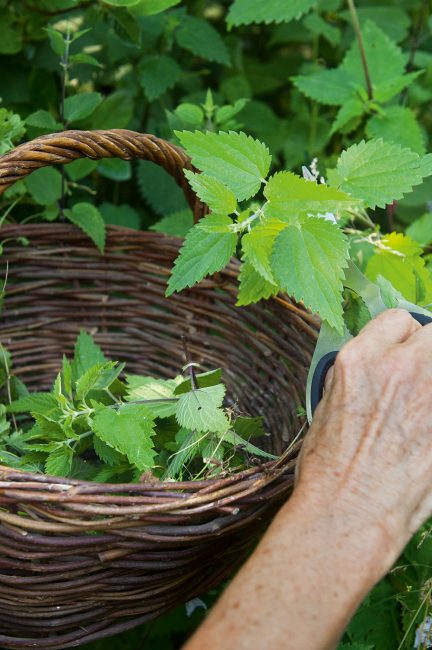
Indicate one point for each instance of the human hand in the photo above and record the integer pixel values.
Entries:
(369, 450)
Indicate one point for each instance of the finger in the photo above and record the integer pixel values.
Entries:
(422, 337)
(391, 327)
(328, 379)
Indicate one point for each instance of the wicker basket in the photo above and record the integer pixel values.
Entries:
(79, 560)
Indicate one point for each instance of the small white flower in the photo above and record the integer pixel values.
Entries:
(423, 637)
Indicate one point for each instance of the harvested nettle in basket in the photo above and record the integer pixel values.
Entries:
(101, 543)
(93, 425)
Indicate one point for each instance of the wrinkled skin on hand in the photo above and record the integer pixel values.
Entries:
(369, 450)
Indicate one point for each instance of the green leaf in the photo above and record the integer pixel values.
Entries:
(59, 461)
(99, 376)
(208, 247)
(398, 124)
(399, 261)
(203, 380)
(234, 439)
(120, 215)
(158, 74)
(347, 114)
(43, 120)
(115, 112)
(248, 427)
(34, 403)
(80, 168)
(215, 194)
(129, 430)
(245, 12)
(159, 189)
(190, 113)
(200, 410)
(253, 287)
(289, 195)
(385, 59)
(201, 38)
(57, 41)
(122, 3)
(308, 261)
(317, 25)
(115, 169)
(80, 106)
(386, 65)
(258, 244)
(86, 355)
(332, 87)
(84, 59)
(392, 20)
(89, 219)
(151, 7)
(148, 388)
(66, 376)
(106, 453)
(376, 171)
(178, 223)
(421, 229)
(188, 447)
(45, 185)
(235, 159)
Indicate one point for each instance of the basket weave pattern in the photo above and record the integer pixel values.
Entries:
(81, 560)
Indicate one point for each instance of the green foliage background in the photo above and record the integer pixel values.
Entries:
(287, 73)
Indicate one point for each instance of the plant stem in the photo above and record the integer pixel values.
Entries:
(189, 364)
(64, 62)
(357, 29)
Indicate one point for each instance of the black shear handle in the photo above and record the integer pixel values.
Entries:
(326, 362)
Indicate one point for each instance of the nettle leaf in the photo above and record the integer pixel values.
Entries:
(386, 65)
(376, 171)
(215, 194)
(106, 453)
(235, 159)
(331, 87)
(80, 106)
(245, 12)
(200, 410)
(203, 380)
(253, 287)
(43, 120)
(289, 195)
(158, 74)
(234, 439)
(86, 355)
(41, 403)
(308, 261)
(400, 262)
(151, 7)
(421, 229)
(159, 189)
(59, 461)
(177, 223)
(257, 246)
(348, 114)
(129, 430)
(98, 377)
(398, 124)
(89, 219)
(45, 185)
(207, 248)
(249, 427)
(201, 38)
(385, 59)
(148, 388)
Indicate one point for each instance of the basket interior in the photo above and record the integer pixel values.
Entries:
(55, 289)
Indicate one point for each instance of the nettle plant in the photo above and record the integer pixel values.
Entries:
(98, 423)
(298, 237)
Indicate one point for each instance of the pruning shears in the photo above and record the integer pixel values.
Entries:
(330, 340)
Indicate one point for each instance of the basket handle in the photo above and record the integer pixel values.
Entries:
(64, 147)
